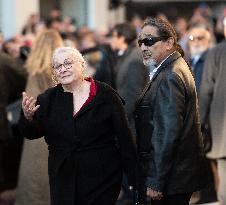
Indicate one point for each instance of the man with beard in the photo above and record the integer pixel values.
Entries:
(171, 158)
(199, 42)
(213, 108)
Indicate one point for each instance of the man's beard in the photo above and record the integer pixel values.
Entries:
(197, 50)
(150, 63)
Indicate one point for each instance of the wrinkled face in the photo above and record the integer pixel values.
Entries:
(198, 41)
(67, 69)
(153, 52)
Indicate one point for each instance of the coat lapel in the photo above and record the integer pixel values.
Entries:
(97, 100)
(167, 62)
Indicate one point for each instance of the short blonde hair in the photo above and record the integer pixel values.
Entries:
(39, 60)
(73, 52)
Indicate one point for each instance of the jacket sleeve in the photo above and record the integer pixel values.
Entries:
(169, 111)
(124, 139)
(33, 129)
(207, 86)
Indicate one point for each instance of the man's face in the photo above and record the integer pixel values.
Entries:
(198, 41)
(152, 54)
(116, 41)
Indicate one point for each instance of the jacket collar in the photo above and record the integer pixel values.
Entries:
(66, 98)
(167, 62)
(201, 58)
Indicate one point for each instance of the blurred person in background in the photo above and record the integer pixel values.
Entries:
(12, 82)
(1, 40)
(130, 73)
(87, 40)
(31, 24)
(213, 111)
(137, 22)
(13, 45)
(181, 27)
(199, 41)
(33, 183)
(100, 56)
(55, 20)
(105, 68)
(161, 15)
(219, 27)
(87, 132)
(69, 27)
(56, 24)
(18, 48)
(55, 13)
(202, 15)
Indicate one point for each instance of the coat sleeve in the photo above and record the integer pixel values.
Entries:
(33, 129)
(124, 139)
(168, 111)
(207, 86)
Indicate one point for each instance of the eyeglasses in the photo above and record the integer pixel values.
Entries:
(67, 65)
(150, 41)
(198, 38)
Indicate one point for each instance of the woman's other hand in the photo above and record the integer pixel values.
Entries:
(29, 107)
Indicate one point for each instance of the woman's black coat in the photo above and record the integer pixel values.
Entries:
(87, 153)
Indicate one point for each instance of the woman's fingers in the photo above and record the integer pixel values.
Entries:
(35, 108)
(29, 106)
(24, 100)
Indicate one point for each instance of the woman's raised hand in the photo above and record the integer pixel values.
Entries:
(28, 106)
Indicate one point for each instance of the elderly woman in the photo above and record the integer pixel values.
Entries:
(87, 133)
(33, 181)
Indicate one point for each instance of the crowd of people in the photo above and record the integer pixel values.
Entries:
(143, 89)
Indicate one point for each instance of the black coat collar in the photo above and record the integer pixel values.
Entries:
(66, 98)
(167, 62)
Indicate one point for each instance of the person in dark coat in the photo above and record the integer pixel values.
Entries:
(213, 108)
(12, 83)
(170, 148)
(87, 132)
(131, 74)
(199, 41)
(105, 68)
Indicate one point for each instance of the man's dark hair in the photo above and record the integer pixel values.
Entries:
(49, 22)
(127, 31)
(165, 29)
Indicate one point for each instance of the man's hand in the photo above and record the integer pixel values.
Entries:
(28, 106)
(155, 195)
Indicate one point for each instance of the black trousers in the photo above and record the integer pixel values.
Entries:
(177, 199)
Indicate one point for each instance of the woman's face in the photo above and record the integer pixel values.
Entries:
(68, 69)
